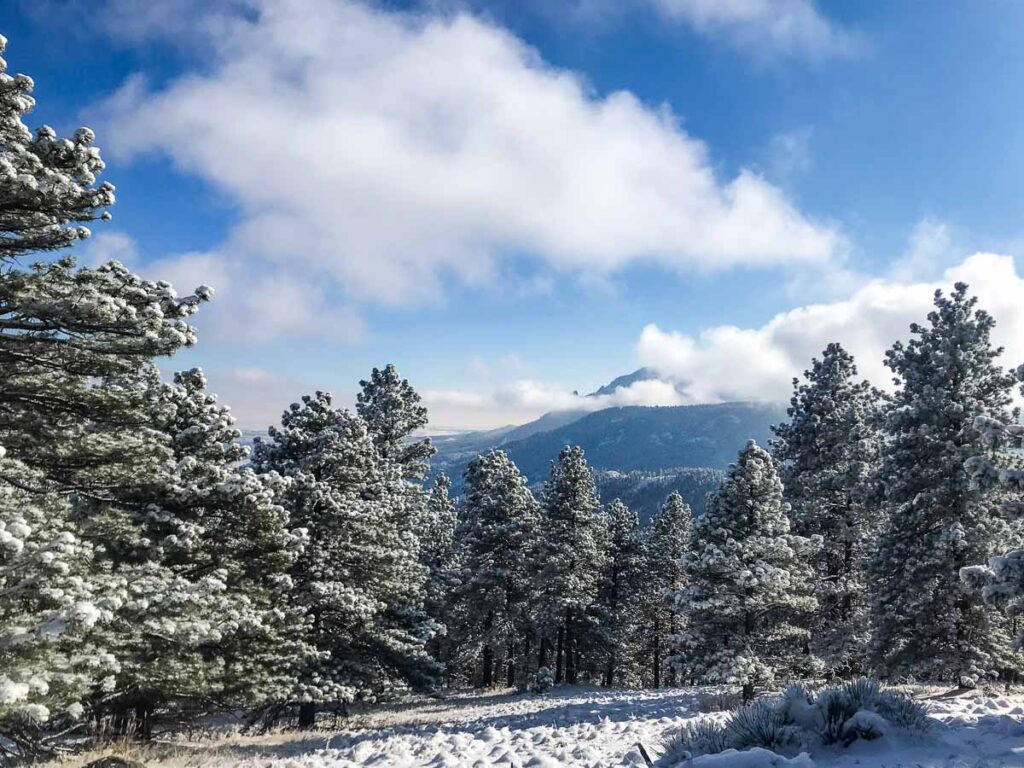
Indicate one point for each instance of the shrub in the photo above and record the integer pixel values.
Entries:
(860, 709)
(542, 681)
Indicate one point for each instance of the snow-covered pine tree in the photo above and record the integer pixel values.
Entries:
(571, 554)
(749, 593)
(620, 586)
(440, 552)
(998, 472)
(47, 185)
(49, 600)
(668, 540)
(76, 402)
(358, 577)
(392, 411)
(824, 454)
(497, 535)
(926, 623)
(200, 551)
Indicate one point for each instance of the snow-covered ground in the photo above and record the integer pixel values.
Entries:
(584, 727)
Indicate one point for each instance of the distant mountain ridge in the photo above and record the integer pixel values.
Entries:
(629, 438)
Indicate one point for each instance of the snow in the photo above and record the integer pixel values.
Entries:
(591, 728)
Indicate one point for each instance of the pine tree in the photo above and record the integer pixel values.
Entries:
(440, 553)
(618, 595)
(824, 455)
(748, 596)
(49, 602)
(392, 412)
(47, 185)
(571, 555)
(999, 474)
(926, 623)
(200, 552)
(668, 540)
(358, 577)
(499, 526)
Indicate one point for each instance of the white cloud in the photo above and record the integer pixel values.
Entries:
(730, 363)
(377, 155)
(524, 400)
(929, 252)
(257, 397)
(764, 26)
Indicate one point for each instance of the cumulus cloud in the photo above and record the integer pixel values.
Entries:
(731, 363)
(764, 26)
(378, 155)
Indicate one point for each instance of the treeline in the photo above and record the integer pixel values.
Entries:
(153, 571)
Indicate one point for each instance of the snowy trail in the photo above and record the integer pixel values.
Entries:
(584, 728)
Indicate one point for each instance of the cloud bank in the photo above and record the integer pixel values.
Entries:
(731, 363)
(375, 156)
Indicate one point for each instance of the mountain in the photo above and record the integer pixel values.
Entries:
(645, 492)
(633, 438)
(625, 381)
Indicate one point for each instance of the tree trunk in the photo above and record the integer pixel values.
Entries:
(542, 654)
(307, 714)
(609, 673)
(510, 674)
(488, 676)
(657, 652)
(559, 655)
(748, 693)
(570, 656)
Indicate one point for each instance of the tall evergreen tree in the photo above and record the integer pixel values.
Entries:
(926, 623)
(440, 553)
(748, 596)
(358, 577)
(572, 552)
(200, 552)
(824, 455)
(999, 473)
(498, 531)
(392, 411)
(668, 540)
(618, 595)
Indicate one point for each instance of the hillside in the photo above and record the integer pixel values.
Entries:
(631, 438)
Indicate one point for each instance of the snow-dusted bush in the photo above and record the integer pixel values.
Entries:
(542, 681)
(799, 718)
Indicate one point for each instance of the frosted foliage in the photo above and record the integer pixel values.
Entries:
(748, 596)
(950, 394)
(358, 578)
(50, 602)
(826, 453)
(997, 471)
(497, 536)
(48, 186)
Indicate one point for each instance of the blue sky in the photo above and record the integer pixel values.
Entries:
(514, 199)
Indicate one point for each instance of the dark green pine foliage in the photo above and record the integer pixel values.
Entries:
(499, 527)
(999, 472)
(358, 578)
(199, 554)
(927, 624)
(825, 453)
(749, 599)
(668, 540)
(619, 595)
(440, 553)
(392, 411)
(572, 553)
